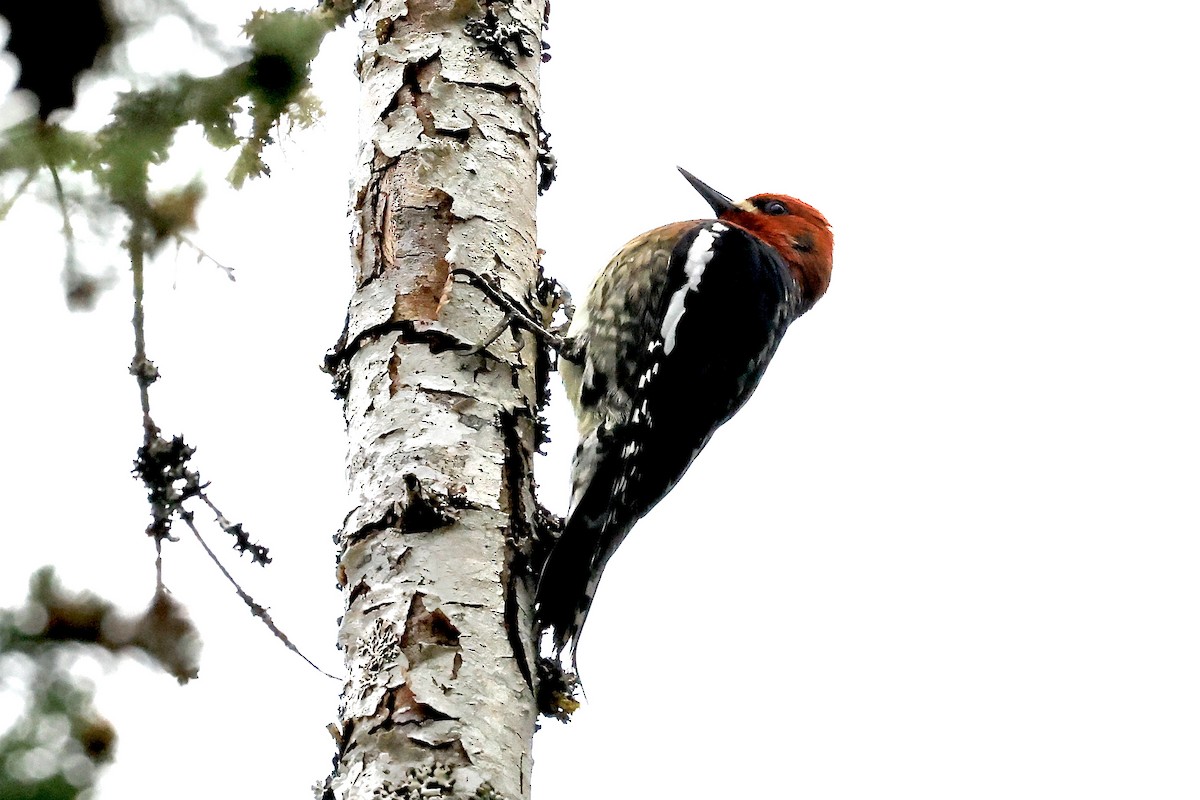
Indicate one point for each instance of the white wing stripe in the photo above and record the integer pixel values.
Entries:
(698, 256)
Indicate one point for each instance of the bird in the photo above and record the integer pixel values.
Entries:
(671, 340)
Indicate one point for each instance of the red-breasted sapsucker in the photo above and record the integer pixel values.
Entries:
(670, 342)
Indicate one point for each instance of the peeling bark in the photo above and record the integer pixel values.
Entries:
(434, 552)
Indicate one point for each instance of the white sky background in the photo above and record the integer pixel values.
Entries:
(948, 550)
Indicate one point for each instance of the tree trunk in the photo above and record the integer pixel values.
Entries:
(434, 554)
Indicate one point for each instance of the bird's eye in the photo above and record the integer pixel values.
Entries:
(775, 208)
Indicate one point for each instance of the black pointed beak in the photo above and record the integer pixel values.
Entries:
(719, 202)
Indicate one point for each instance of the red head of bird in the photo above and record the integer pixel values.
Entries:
(794, 229)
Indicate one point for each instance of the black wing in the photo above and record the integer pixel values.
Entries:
(683, 384)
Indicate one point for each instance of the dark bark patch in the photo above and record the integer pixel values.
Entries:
(425, 509)
(426, 627)
(359, 590)
(416, 236)
(394, 372)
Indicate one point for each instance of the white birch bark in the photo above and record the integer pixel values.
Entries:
(437, 632)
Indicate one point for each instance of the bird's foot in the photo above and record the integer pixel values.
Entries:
(550, 291)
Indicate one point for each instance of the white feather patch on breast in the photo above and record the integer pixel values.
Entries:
(698, 256)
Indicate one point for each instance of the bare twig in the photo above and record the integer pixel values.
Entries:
(255, 609)
(145, 373)
(202, 255)
(242, 543)
(68, 231)
(81, 288)
(142, 368)
(7, 205)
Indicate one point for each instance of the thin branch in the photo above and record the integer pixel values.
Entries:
(202, 255)
(7, 205)
(145, 372)
(255, 609)
(73, 279)
(258, 553)
(142, 368)
(158, 579)
(61, 197)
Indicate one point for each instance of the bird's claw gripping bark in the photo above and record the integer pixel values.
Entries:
(492, 335)
(515, 314)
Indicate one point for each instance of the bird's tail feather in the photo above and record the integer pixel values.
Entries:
(596, 526)
(568, 583)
